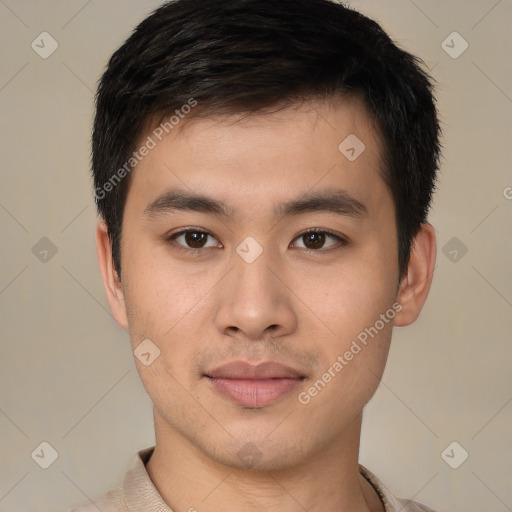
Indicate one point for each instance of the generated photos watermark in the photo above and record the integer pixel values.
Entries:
(305, 397)
(164, 128)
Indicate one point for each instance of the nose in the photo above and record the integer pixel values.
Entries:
(255, 301)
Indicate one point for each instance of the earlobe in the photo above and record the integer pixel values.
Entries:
(111, 282)
(415, 285)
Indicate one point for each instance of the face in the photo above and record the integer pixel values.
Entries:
(290, 258)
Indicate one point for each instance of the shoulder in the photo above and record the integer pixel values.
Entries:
(412, 506)
(391, 502)
(111, 501)
(136, 489)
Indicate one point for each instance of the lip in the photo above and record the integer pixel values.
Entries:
(254, 385)
(245, 370)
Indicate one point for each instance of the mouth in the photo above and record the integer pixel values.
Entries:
(254, 386)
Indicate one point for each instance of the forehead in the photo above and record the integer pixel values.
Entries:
(248, 161)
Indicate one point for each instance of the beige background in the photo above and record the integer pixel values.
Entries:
(67, 375)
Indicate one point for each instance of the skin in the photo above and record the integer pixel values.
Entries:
(301, 309)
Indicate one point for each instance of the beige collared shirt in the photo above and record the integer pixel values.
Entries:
(138, 494)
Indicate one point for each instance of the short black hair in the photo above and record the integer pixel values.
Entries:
(245, 56)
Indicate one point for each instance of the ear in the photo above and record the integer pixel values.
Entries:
(415, 285)
(111, 281)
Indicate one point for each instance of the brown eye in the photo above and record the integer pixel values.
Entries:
(195, 239)
(191, 239)
(314, 240)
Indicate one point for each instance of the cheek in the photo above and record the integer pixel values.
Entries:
(354, 358)
(350, 299)
(358, 305)
(163, 296)
(165, 305)
(169, 379)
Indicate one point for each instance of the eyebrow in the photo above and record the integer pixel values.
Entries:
(337, 201)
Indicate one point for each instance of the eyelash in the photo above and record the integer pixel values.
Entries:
(342, 242)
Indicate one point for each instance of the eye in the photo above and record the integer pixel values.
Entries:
(314, 240)
(191, 239)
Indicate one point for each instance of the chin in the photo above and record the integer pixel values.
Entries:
(256, 453)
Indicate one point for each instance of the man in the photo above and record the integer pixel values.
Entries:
(263, 171)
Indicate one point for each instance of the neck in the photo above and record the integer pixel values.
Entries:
(188, 479)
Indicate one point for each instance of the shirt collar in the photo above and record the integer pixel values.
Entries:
(139, 492)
